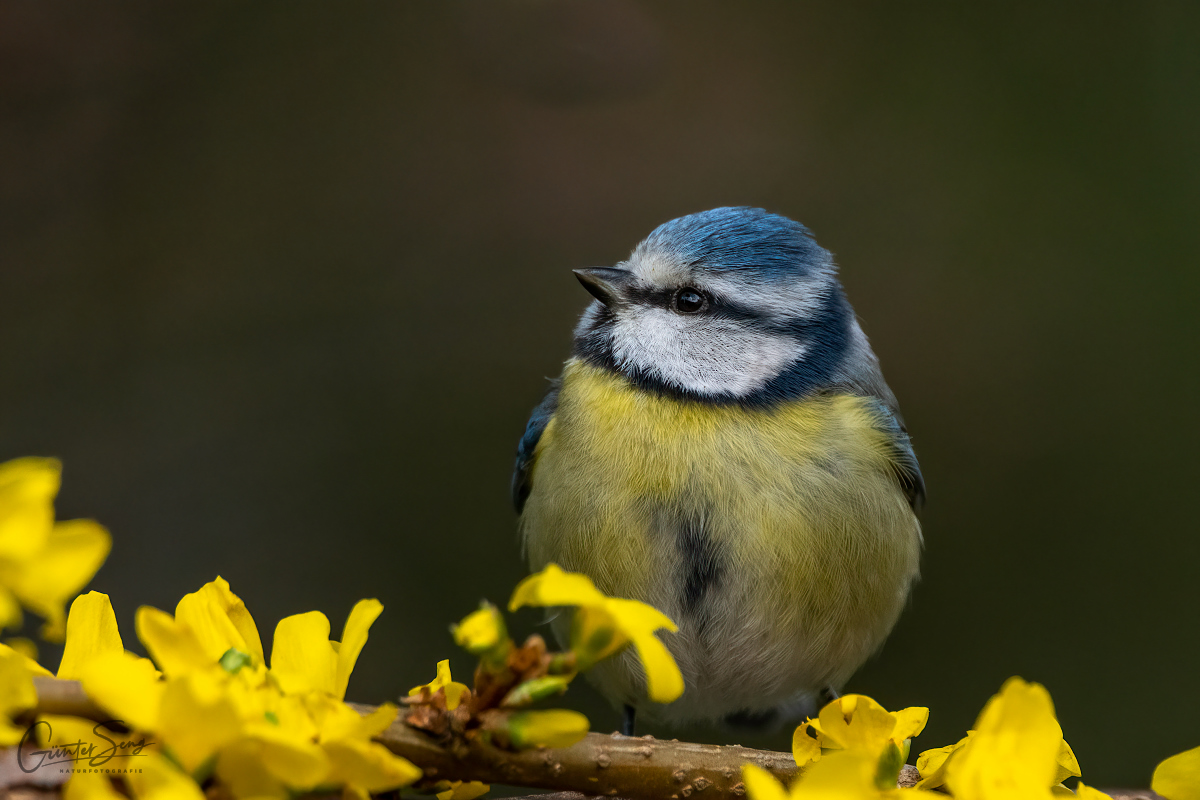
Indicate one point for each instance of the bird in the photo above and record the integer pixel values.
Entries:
(722, 445)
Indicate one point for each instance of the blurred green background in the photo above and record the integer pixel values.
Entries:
(279, 282)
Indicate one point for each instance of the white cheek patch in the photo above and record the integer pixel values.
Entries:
(700, 354)
(587, 319)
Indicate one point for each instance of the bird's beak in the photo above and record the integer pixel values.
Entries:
(609, 285)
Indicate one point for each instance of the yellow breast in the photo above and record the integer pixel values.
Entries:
(798, 504)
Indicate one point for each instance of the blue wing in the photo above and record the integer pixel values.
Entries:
(522, 480)
(908, 471)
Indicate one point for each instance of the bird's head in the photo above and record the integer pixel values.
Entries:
(732, 304)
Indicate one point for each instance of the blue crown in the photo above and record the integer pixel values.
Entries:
(739, 238)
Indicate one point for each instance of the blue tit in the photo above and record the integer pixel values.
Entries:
(722, 445)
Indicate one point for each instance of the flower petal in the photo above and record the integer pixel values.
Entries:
(634, 615)
(302, 659)
(125, 686)
(1178, 778)
(664, 681)
(339, 721)
(762, 785)
(354, 636)
(197, 718)
(462, 790)
(480, 631)
(10, 610)
(909, 722)
(1014, 750)
(241, 768)
(159, 779)
(27, 490)
(856, 722)
(1068, 764)
(444, 681)
(16, 693)
(805, 749)
(91, 632)
(172, 644)
(378, 721)
(294, 759)
(87, 785)
(220, 621)
(1083, 792)
(554, 587)
(369, 765)
(73, 552)
(932, 764)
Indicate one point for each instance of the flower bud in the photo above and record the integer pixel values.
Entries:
(554, 728)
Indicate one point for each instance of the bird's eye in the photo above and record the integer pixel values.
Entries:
(689, 300)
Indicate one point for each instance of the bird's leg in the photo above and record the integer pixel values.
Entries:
(828, 695)
(627, 716)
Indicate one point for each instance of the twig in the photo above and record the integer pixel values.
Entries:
(638, 768)
(68, 698)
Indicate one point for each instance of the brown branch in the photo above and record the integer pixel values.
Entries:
(68, 698)
(639, 768)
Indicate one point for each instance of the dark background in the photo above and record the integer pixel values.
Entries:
(280, 282)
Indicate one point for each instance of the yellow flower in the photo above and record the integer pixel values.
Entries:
(90, 786)
(208, 624)
(215, 705)
(444, 681)
(23, 645)
(460, 790)
(843, 775)
(220, 622)
(1178, 778)
(362, 765)
(42, 562)
(155, 779)
(856, 722)
(1088, 793)
(554, 728)
(159, 779)
(482, 632)
(1014, 751)
(303, 658)
(762, 785)
(932, 764)
(16, 693)
(603, 626)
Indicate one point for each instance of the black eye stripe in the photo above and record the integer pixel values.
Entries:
(718, 307)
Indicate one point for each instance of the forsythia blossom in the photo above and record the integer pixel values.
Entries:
(43, 563)
(856, 722)
(445, 682)
(217, 707)
(603, 626)
(17, 694)
(1017, 743)
(843, 775)
(1178, 778)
